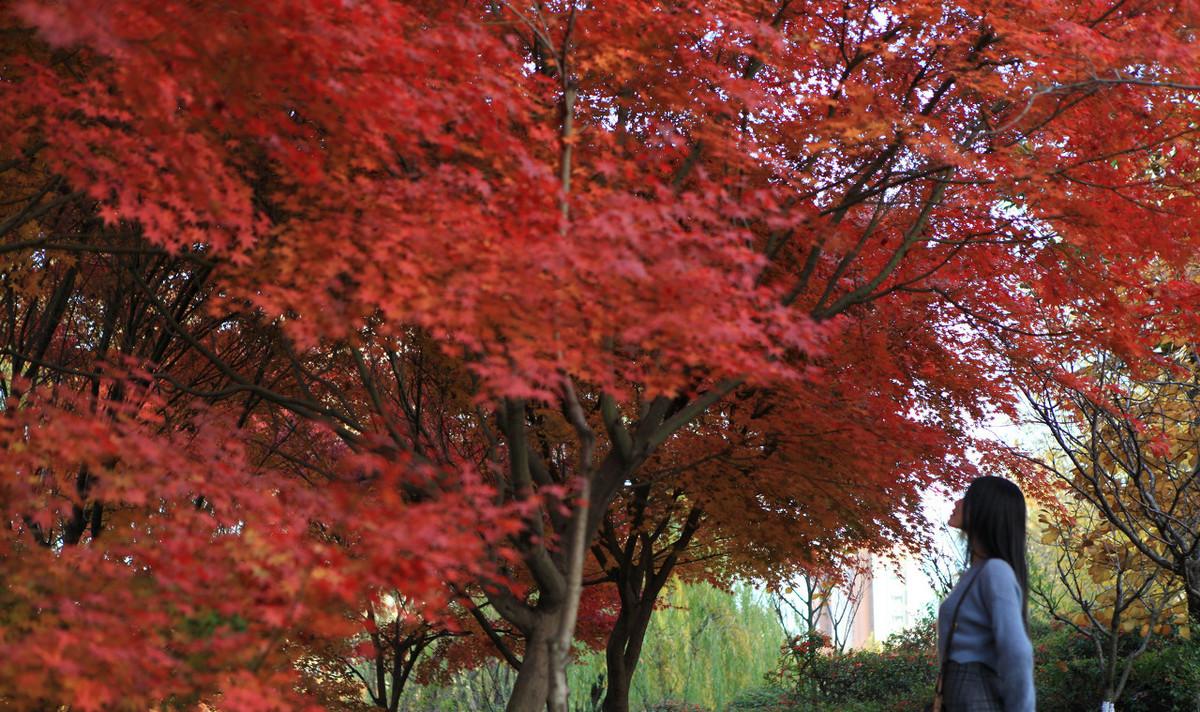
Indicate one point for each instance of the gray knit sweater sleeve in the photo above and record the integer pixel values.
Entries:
(991, 630)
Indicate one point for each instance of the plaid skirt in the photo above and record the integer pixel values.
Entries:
(970, 687)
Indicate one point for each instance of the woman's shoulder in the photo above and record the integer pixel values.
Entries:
(998, 572)
(995, 566)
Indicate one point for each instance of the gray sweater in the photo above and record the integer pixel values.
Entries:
(991, 630)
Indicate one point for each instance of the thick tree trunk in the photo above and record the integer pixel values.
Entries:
(639, 585)
(624, 650)
(532, 687)
(616, 697)
(1193, 602)
(623, 653)
(542, 679)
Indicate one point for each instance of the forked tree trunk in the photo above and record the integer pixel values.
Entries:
(623, 652)
(1192, 589)
(532, 688)
(542, 679)
(549, 624)
(639, 585)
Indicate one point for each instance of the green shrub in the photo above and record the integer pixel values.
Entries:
(1065, 674)
(1166, 679)
(898, 678)
(865, 676)
(675, 706)
(769, 698)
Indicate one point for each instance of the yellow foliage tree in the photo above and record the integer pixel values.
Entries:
(1127, 445)
(1106, 589)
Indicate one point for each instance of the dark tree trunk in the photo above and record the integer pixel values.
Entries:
(533, 679)
(1193, 603)
(639, 584)
(624, 650)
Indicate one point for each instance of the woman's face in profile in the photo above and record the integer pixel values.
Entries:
(956, 517)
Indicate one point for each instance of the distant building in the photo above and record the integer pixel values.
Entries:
(899, 595)
(893, 595)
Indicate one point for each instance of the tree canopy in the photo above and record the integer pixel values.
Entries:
(306, 304)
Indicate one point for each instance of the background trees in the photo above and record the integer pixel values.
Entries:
(1127, 446)
(1102, 588)
(418, 330)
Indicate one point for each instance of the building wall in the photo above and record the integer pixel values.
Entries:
(896, 595)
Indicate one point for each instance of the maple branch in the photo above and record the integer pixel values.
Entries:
(40, 536)
(910, 238)
(1106, 157)
(568, 140)
(753, 65)
(981, 318)
(691, 411)
(47, 243)
(53, 315)
(1047, 415)
(580, 531)
(1087, 87)
(573, 411)
(609, 477)
(1164, 521)
(689, 162)
(541, 34)
(493, 635)
(650, 416)
(881, 209)
(412, 405)
(806, 273)
(368, 382)
(888, 182)
(34, 210)
(659, 475)
(349, 665)
(617, 432)
(311, 409)
(49, 365)
(569, 92)
(380, 680)
(690, 526)
(1121, 81)
(855, 194)
(533, 544)
(511, 608)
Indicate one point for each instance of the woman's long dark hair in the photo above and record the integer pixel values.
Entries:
(994, 520)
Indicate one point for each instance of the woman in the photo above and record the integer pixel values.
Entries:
(985, 619)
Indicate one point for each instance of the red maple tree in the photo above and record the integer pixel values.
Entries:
(230, 225)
